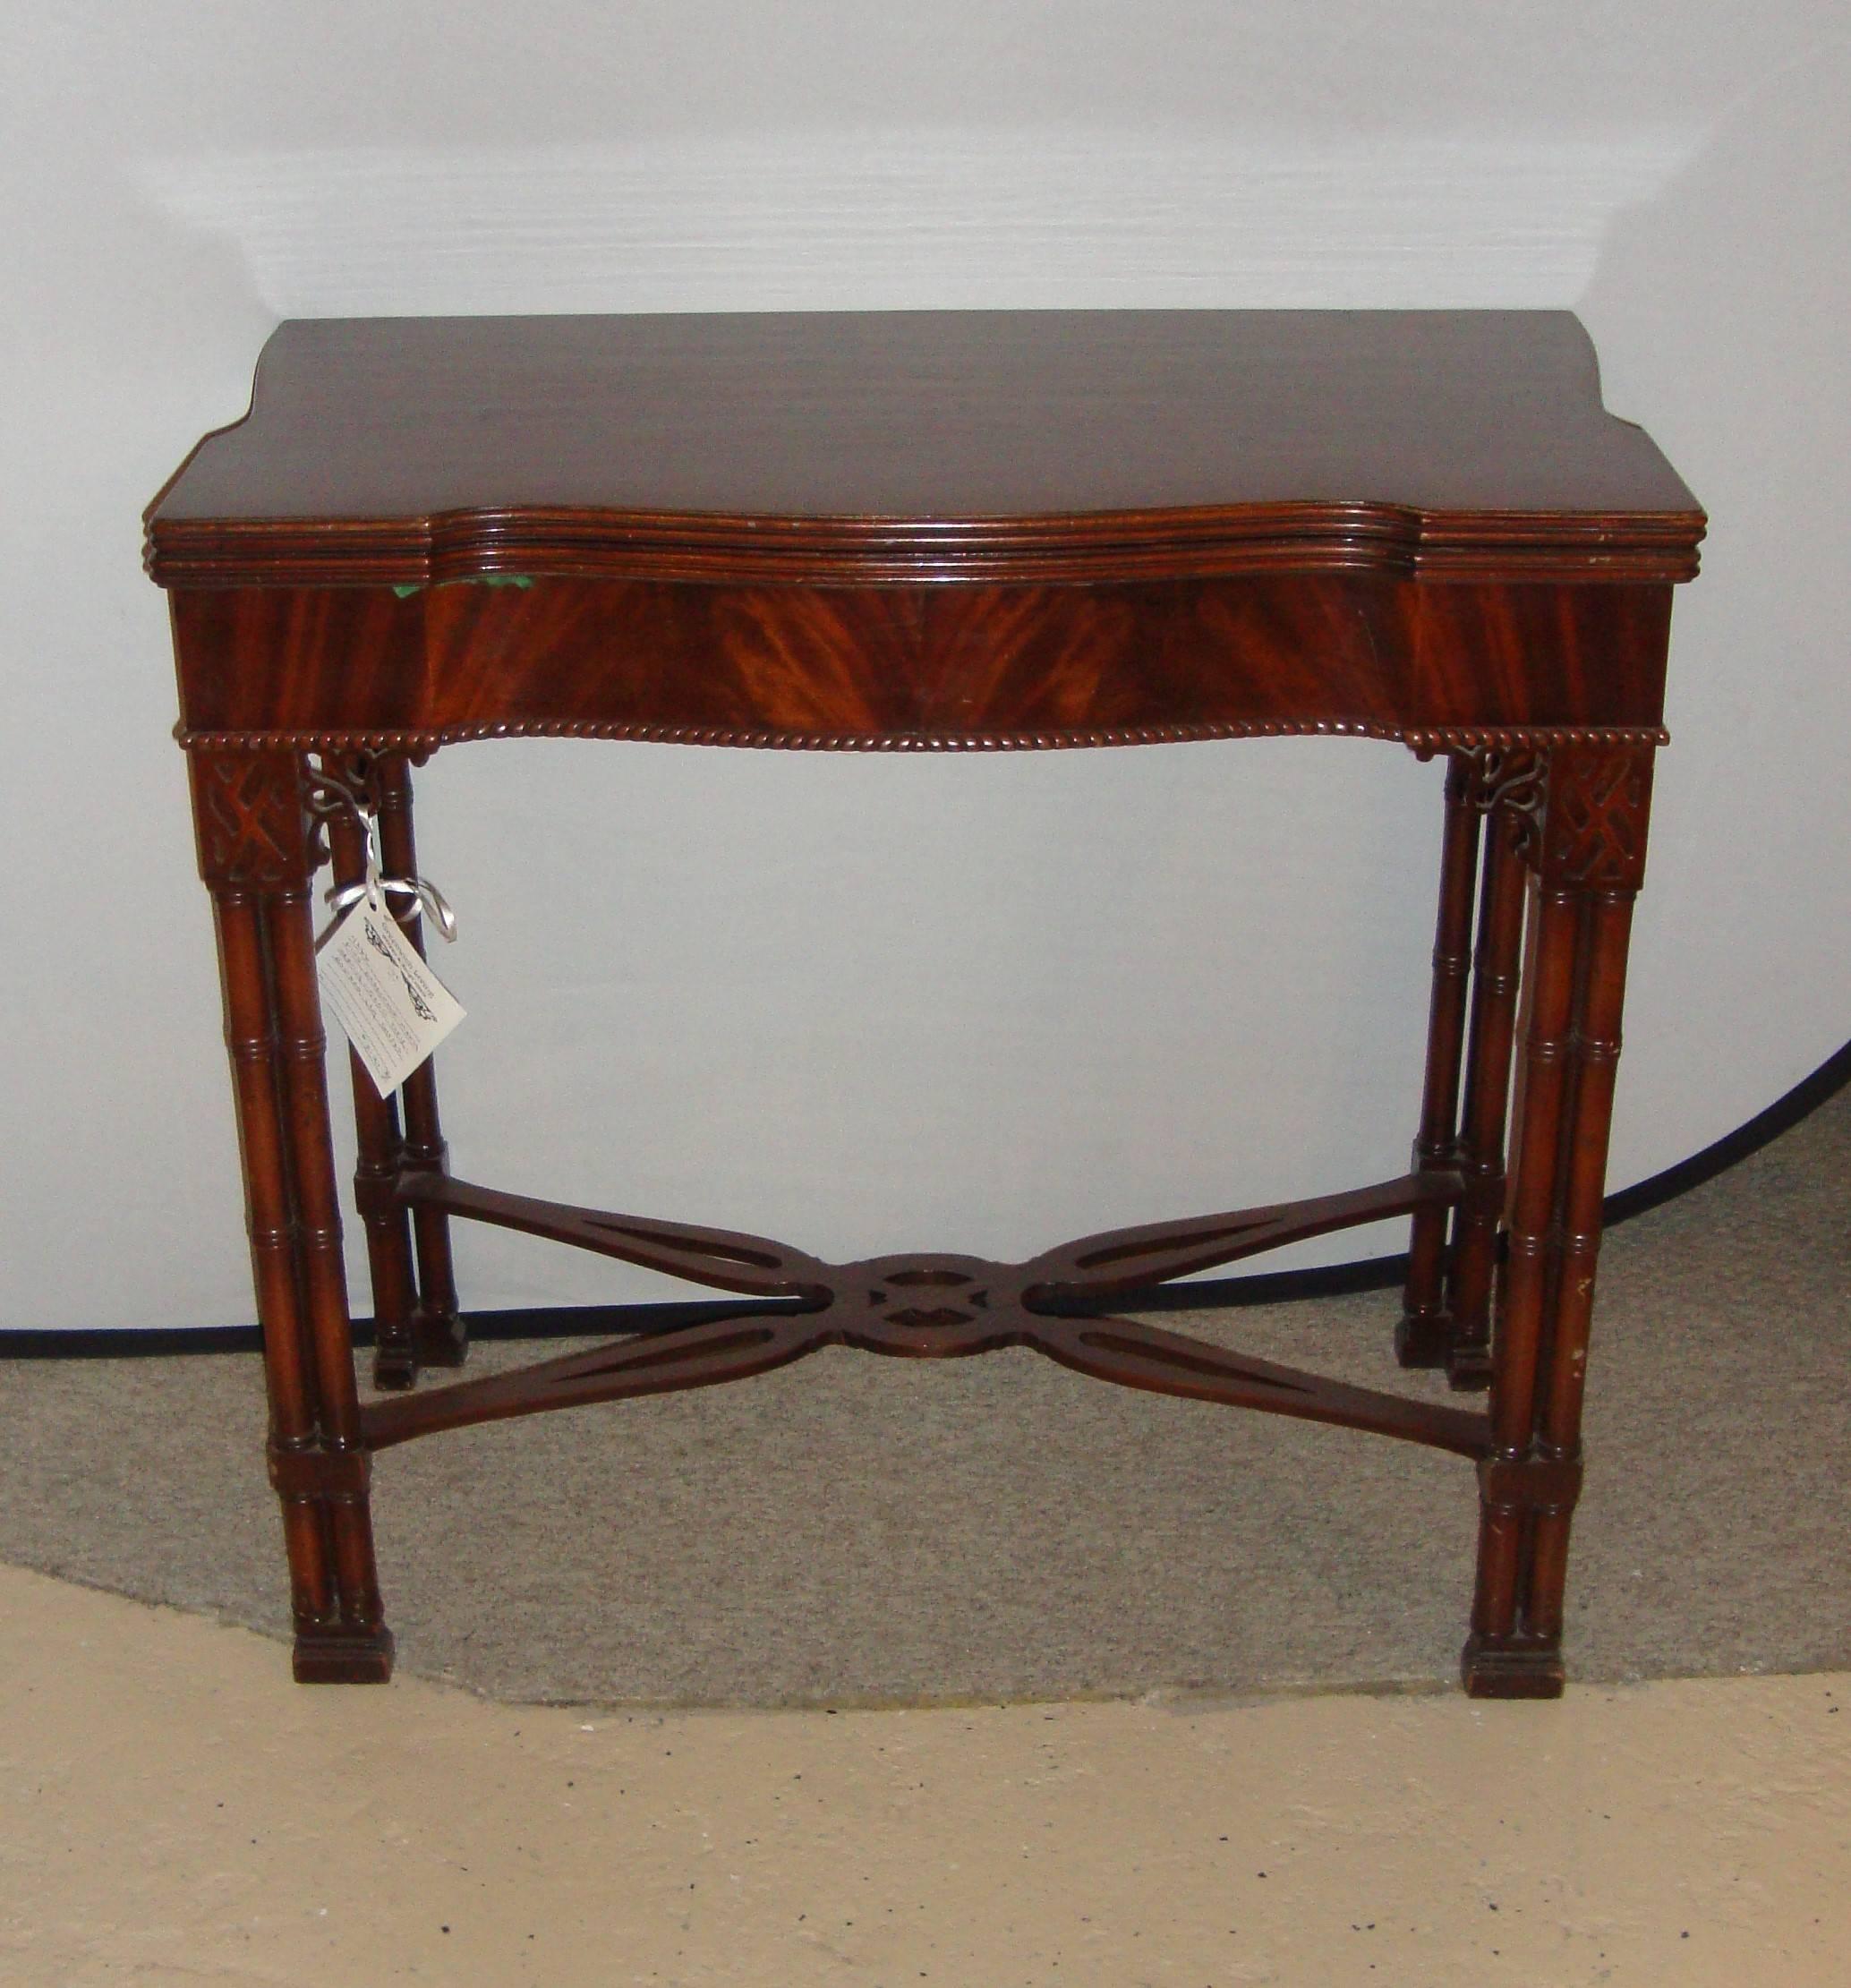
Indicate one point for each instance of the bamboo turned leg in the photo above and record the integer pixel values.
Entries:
(255, 857)
(1424, 1335)
(1482, 1119)
(1590, 858)
(440, 1337)
(380, 1154)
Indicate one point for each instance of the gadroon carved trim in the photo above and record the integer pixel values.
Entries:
(1425, 740)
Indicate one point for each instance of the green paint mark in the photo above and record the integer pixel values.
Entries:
(405, 589)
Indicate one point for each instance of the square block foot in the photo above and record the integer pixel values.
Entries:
(323, 1659)
(438, 1339)
(1469, 1369)
(1521, 1671)
(1424, 1340)
(395, 1371)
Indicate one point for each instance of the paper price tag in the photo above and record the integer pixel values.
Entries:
(389, 1004)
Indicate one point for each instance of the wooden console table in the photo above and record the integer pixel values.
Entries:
(940, 532)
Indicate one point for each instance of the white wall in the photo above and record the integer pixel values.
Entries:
(871, 1004)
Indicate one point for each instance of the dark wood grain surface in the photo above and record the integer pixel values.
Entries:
(910, 669)
(951, 445)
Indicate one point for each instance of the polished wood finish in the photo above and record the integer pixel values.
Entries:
(942, 532)
(1424, 1337)
(439, 1336)
(962, 446)
(378, 1141)
(1507, 783)
(896, 669)
(931, 1308)
(256, 858)
(1590, 858)
(415, 1319)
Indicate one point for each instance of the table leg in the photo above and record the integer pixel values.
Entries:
(256, 857)
(1425, 1333)
(1588, 854)
(1482, 1120)
(380, 1147)
(440, 1337)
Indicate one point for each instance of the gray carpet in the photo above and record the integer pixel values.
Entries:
(857, 1530)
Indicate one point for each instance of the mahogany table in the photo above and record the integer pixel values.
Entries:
(940, 532)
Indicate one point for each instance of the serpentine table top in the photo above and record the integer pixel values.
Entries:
(1336, 453)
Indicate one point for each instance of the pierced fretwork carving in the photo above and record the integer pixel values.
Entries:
(1595, 828)
(249, 808)
(931, 1308)
(339, 792)
(1510, 778)
(342, 782)
(1579, 812)
(1513, 780)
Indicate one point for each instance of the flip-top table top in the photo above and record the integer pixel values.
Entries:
(948, 444)
(925, 530)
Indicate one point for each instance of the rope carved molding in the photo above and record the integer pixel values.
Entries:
(418, 745)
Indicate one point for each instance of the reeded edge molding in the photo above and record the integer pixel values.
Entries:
(1422, 739)
(1193, 543)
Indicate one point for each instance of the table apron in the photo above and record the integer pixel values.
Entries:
(1434, 663)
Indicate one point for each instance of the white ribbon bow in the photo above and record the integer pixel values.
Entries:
(418, 895)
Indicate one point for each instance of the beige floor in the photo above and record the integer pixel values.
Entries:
(175, 1812)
